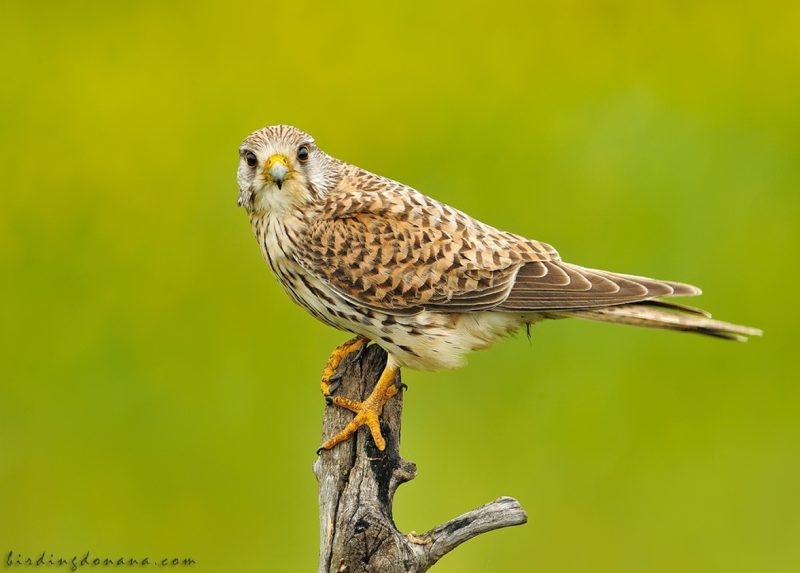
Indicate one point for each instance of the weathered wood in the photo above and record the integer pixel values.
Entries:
(357, 483)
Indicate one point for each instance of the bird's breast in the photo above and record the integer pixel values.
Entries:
(279, 240)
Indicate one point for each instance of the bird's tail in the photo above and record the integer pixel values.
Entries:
(666, 315)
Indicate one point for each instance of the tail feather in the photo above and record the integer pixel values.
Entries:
(675, 306)
(669, 316)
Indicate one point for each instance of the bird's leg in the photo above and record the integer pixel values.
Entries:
(367, 412)
(331, 374)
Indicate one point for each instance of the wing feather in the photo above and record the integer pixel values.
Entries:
(383, 245)
(388, 247)
(532, 291)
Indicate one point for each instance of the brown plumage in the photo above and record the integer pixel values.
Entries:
(427, 282)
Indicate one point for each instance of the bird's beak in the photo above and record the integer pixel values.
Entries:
(277, 169)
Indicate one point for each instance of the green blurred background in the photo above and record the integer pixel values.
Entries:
(160, 392)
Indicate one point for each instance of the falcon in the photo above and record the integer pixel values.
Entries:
(426, 282)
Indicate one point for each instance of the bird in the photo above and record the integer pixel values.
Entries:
(426, 282)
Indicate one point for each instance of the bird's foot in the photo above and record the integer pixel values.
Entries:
(331, 376)
(367, 412)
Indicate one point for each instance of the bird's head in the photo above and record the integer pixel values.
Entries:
(280, 169)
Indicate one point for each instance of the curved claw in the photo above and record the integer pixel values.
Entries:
(333, 387)
(320, 450)
(403, 386)
(328, 400)
(360, 353)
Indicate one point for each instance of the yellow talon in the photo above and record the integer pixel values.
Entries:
(339, 353)
(367, 412)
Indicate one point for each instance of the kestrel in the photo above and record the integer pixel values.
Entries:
(426, 282)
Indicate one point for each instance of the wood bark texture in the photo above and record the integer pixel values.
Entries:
(357, 483)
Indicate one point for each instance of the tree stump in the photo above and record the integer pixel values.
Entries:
(357, 483)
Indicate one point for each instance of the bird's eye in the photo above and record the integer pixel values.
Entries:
(251, 159)
(302, 153)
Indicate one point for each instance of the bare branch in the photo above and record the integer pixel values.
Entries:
(357, 483)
